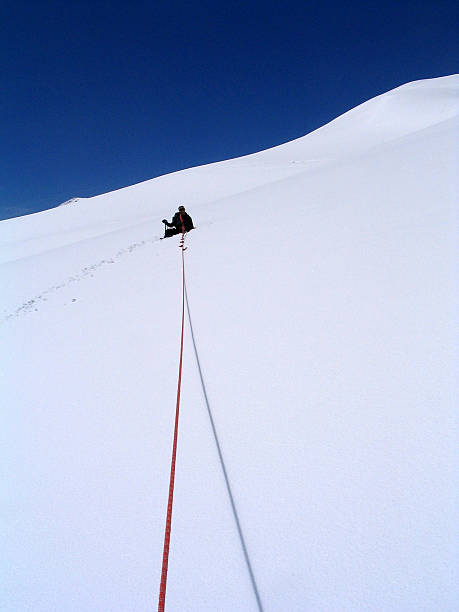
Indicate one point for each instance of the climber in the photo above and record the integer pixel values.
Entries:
(181, 222)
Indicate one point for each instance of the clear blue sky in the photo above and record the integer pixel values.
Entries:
(96, 95)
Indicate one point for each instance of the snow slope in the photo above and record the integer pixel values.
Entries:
(323, 286)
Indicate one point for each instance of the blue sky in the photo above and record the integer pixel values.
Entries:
(99, 95)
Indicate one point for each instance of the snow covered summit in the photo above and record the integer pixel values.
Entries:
(322, 279)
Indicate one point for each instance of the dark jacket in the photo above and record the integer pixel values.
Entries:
(181, 218)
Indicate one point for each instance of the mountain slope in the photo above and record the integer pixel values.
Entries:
(322, 281)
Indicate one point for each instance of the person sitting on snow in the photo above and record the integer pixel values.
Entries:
(181, 222)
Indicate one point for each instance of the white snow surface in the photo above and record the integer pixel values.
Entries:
(322, 279)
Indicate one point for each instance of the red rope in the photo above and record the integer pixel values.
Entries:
(167, 532)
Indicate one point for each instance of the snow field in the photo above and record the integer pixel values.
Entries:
(324, 302)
